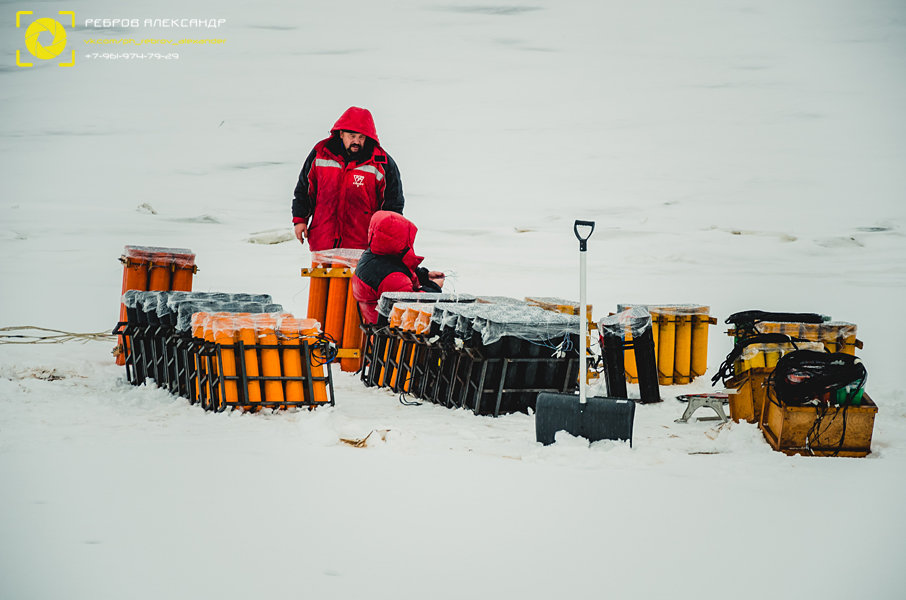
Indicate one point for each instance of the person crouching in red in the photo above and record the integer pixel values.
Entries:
(390, 264)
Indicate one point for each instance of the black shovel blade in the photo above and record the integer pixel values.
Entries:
(597, 419)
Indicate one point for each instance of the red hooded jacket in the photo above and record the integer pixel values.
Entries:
(388, 265)
(340, 193)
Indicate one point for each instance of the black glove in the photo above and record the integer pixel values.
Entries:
(426, 284)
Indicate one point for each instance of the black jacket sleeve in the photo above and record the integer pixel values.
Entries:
(303, 206)
(393, 190)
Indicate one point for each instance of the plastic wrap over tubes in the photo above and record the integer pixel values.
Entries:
(130, 298)
(669, 309)
(446, 314)
(181, 257)
(388, 299)
(524, 322)
(348, 257)
(753, 350)
(133, 297)
(635, 321)
(502, 300)
(187, 309)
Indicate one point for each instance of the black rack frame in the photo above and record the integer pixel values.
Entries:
(467, 377)
(192, 367)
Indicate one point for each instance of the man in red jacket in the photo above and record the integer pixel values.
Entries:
(390, 264)
(344, 181)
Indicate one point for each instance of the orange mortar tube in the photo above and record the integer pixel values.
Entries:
(423, 322)
(183, 266)
(308, 329)
(270, 358)
(336, 308)
(208, 336)
(396, 361)
(352, 332)
(182, 280)
(225, 335)
(159, 272)
(410, 323)
(198, 333)
(317, 296)
(292, 359)
(396, 315)
(405, 319)
(249, 337)
(135, 277)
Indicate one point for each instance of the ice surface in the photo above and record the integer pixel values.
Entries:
(740, 154)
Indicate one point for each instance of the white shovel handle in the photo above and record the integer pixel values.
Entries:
(582, 236)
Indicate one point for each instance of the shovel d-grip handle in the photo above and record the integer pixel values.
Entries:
(583, 241)
(583, 307)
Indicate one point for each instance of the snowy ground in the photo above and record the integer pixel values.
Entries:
(741, 155)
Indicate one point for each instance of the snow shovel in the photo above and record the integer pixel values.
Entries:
(591, 418)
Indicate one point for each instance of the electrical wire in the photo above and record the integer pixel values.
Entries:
(328, 347)
(808, 377)
(60, 337)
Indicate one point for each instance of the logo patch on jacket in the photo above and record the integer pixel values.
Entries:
(358, 180)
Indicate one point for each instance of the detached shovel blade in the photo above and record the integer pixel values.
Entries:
(597, 419)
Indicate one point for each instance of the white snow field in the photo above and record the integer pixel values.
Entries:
(740, 154)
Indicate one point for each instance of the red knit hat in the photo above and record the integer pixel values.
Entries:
(358, 120)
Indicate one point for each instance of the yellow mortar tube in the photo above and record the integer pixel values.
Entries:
(700, 332)
(682, 362)
(848, 336)
(666, 347)
(629, 364)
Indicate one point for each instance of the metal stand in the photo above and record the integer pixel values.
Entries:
(715, 403)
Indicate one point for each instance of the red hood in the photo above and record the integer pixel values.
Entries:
(358, 120)
(392, 234)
